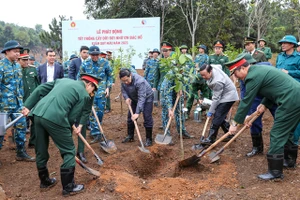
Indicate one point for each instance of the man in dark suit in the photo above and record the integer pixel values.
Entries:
(50, 70)
(76, 63)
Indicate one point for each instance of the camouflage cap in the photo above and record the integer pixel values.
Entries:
(94, 50)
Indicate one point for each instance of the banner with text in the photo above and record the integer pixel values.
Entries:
(142, 34)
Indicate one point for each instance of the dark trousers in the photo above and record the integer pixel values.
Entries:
(62, 138)
(257, 125)
(147, 114)
(221, 112)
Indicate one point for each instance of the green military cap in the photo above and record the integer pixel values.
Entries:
(12, 44)
(262, 39)
(239, 61)
(249, 40)
(248, 57)
(289, 39)
(73, 56)
(166, 45)
(183, 47)
(91, 78)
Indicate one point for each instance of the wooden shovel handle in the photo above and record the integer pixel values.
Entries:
(173, 109)
(136, 127)
(85, 142)
(97, 119)
(254, 116)
(205, 126)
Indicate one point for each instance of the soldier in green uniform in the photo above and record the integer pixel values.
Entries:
(197, 84)
(262, 47)
(277, 88)
(30, 82)
(63, 101)
(258, 55)
(67, 65)
(111, 64)
(219, 57)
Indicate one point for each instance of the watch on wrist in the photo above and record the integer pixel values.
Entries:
(233, 123)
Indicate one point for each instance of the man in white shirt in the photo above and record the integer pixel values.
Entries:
(50, 70)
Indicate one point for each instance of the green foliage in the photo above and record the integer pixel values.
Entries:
(123, 60)
(232, 52)
(178, 68)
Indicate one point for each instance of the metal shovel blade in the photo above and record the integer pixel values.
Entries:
(144, 150)
(109, 146)
(213, 156)
(163, 139)
(189, 161)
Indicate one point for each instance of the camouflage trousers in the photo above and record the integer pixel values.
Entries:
(165, 116)
(99, 105)
(19, 127)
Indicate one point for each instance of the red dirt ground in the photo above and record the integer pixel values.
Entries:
(132, 174)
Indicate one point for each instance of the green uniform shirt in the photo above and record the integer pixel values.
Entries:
(275, 86)
(267, 52)
(221, 60)
(30, 80)
(258, 55)
(63, 101)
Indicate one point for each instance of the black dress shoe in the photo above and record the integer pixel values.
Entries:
(81, 157)
(128, 138)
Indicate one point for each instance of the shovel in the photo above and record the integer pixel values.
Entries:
(89, 170)
(196, 158)
(202, 136)
(166, 139)
(214, 156)
(99, 161)
(107, 145)
(142, 148)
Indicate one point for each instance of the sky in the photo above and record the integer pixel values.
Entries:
(28, 13)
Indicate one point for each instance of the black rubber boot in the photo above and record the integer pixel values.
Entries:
(68, 183)
(23, 156)
(82, 157)
(148, 137)
(225, 127)
(130, 134)
(46, 182)
(213, 133)
(258, 145)
(275, 167)
(290, 156)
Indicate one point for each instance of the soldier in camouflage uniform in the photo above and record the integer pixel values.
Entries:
(30, 82)
(219, 57)
(151, 71)
(168, 98)
(190, 64)
(67, 65)
(33, 62)
(202, 57)
(11, 95)
(100, 68)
